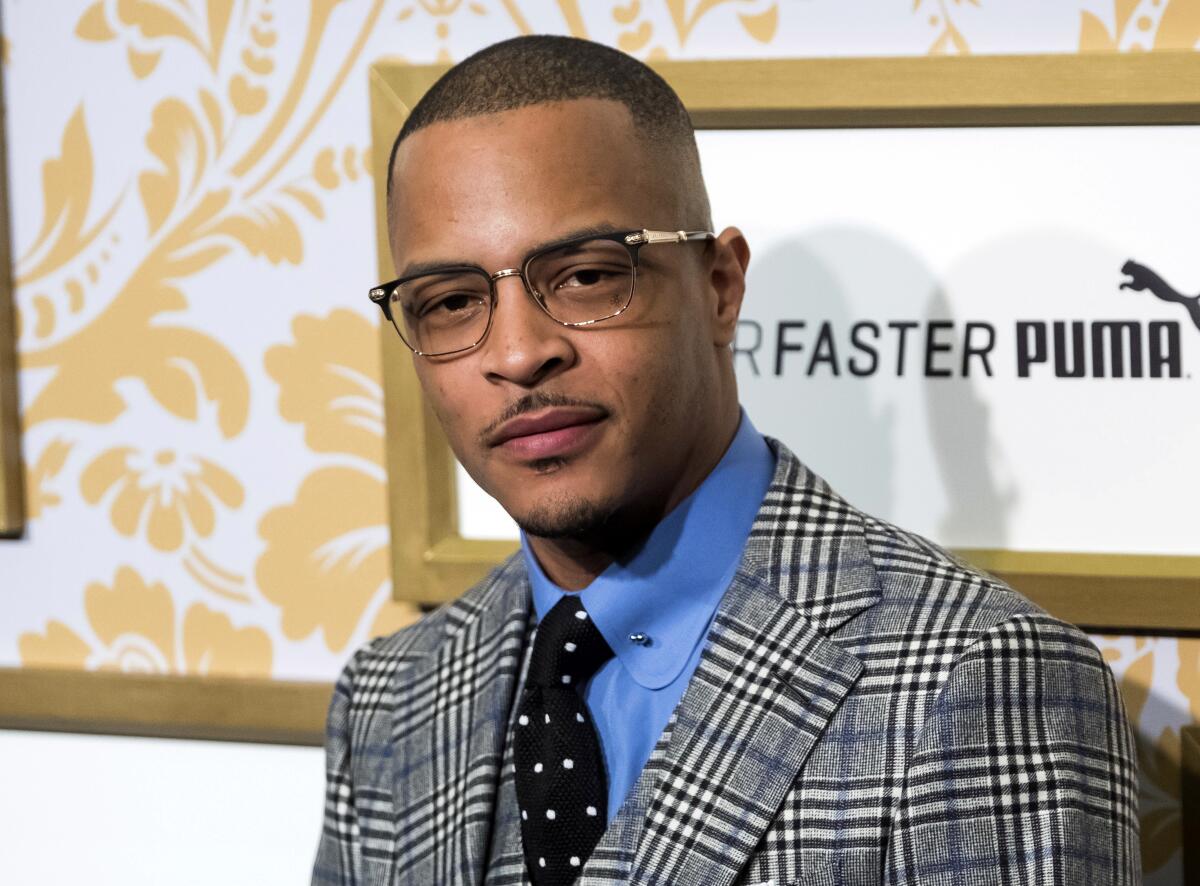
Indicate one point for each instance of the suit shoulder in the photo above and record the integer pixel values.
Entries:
(915, 587)
(940, 615)
(387, 655)
(921, 579)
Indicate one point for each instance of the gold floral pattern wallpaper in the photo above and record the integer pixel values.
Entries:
(199, 371)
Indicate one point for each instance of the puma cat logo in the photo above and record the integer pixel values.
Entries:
(1142, 278)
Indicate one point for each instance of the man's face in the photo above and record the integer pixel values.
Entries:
(566, 427)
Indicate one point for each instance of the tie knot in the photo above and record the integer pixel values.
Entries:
(569, 648)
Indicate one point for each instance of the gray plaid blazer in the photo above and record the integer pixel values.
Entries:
(866, 710)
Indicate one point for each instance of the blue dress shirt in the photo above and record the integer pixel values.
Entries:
(669, 593)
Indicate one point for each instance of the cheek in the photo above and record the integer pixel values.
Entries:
(647, 378)
(678, 382)
(450, 399)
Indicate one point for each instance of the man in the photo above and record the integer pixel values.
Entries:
(703, 667)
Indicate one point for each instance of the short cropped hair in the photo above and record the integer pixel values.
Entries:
(543, 68)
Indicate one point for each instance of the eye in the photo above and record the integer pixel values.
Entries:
(449, 304)
(583, 277)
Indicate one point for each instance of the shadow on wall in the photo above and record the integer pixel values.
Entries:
(790, 392)
(831, 360)
(959, 424)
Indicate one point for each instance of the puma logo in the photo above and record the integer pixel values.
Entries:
(1142, 278)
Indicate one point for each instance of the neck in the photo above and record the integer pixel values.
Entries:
(574, 563)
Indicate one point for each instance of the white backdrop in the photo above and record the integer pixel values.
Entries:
(899, 226)
(97, 810)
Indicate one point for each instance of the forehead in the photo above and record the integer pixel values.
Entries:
(485, 188)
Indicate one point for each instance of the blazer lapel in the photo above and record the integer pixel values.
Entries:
(448, 737)
(768, 683)
(764, 690)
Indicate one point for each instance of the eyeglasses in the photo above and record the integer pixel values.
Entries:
(578, 282)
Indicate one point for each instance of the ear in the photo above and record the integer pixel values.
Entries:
(727, 277)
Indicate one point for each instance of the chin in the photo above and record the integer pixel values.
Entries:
(564, 516)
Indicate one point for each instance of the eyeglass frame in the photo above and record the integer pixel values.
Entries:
(632, 240)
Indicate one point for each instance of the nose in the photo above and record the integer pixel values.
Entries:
(524, 345)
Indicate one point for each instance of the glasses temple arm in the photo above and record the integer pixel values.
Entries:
(650, 237)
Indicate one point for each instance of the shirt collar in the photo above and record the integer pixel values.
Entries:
(670, 588)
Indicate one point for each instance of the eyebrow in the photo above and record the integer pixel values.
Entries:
(599, 229)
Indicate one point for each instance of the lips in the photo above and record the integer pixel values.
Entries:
(553, 433)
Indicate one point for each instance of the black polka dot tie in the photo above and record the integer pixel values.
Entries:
(560, 780)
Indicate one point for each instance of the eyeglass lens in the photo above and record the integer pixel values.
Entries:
(575, 284)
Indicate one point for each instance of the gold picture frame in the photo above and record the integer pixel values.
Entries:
(111, 702)
(12, 490)
(164, 706)
(432, 562)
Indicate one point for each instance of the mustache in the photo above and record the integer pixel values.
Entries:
(532, 403)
